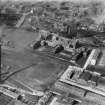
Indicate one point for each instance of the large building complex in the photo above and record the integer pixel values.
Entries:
(52, 53)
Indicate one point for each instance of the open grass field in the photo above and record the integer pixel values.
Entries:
(44, 71)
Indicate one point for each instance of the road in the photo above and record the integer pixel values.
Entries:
(8, 93)
(83, 87)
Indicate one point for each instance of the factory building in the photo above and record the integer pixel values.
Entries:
(102, 60)
(93, 57)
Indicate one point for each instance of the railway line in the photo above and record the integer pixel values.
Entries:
(53, 56)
